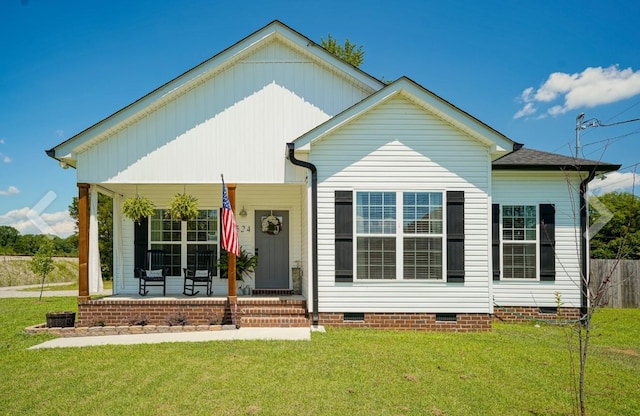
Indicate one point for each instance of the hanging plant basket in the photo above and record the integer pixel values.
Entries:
(137, 208)
(271, 225)
(182, 207)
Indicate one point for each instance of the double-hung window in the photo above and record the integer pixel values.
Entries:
(376, 235)
(181, 239)
(519, 241)
(423, 234)
(387, 251)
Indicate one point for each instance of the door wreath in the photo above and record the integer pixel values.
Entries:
(271, 224)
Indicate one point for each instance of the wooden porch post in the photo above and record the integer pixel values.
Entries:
(232, 258)
(83, 241)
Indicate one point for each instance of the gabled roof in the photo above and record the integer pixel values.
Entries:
(436, 105)
(529, 159)
(275, 30)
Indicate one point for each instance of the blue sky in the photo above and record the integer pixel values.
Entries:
(527, 69)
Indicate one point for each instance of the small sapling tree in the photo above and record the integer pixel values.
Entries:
(42, 262)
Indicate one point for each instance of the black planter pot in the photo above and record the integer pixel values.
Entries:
(61, 319)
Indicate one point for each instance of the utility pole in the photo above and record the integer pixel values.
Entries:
(579, 126)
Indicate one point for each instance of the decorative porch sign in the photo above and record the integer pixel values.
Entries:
(271, 224)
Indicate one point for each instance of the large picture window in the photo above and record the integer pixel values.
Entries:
(386, 251)
(519, 241)
(181, 239)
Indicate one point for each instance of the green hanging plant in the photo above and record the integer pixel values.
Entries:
(138, 207)
(182, 207)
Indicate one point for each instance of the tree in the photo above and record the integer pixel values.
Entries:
(42, 262)
(349, 52)
(620, 236)
(8, 238)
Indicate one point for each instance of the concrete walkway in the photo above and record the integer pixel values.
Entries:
(289, 334)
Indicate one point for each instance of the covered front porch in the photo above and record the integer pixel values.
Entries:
(276, 295)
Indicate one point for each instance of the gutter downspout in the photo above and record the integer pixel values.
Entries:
(584, 244)
(314, 228)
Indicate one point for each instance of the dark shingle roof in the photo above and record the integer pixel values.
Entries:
(530, 159)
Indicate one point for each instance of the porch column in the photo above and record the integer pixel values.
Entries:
(83, 242)
(231, 259)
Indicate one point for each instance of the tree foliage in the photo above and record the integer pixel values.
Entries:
(42, 262)
(620, 237)
(349, 52)
(13, 243)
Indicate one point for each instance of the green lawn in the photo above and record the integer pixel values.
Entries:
(513, 370)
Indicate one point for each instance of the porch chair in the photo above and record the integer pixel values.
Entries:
(200, 273)
(154, 272)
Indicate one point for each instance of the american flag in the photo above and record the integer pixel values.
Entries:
(230, 241)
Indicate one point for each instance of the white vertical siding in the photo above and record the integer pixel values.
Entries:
(400, 146)
(251, 197)
(236, 123)
(534, 188)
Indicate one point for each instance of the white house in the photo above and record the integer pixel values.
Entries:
(394, 207)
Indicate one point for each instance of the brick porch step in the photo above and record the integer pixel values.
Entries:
(284, 313)
(275, 321)
(272, 292)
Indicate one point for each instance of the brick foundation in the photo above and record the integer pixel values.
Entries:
(528, 313)
(259, 312)
(464, 322)
(282, 312)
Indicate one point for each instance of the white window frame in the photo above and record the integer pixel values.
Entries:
(184, 243)
(535, 243)
(400, 235)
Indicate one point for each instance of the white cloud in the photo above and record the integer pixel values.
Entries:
(6, 159)
(590, 88)
(11, 190)
(1, 141)
(527, 110)
(60, 222)
(615, 181)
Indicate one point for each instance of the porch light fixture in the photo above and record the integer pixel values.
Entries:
(243, 212)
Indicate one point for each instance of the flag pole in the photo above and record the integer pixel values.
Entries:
(231, 260)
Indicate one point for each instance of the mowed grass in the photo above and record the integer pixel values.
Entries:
(513, 370)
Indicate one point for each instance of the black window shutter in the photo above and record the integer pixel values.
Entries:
(455, 236)
(547, 242)
(344, 236)
(140, 242)
(495, 240)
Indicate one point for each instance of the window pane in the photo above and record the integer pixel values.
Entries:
(376, 213)
(172, 257)
(519, 222)
(422, 258)
(519, 261)
(376, 258)
(422, 212)
(204, 227)
(164, 229)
